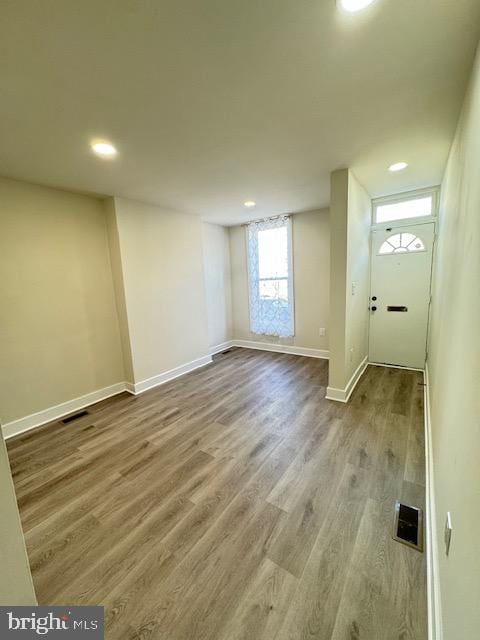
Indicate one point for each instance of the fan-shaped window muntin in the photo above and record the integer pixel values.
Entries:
(403, 242)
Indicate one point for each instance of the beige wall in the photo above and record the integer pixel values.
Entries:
(311, 270)
(16, 586)
(454, 374)
(164, 288)
(97, 292)
(337, 374)
(350, 277)
(216, 256)
(118, 285)
(358, 274)
(58, 322)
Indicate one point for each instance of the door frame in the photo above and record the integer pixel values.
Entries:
(409, 222)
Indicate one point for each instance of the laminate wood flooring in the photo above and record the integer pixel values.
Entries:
(233, 503)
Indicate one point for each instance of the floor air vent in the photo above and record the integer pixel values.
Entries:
(408, 525)
(75, 416)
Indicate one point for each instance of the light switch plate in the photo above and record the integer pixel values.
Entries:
(321, 331)
(448, 532)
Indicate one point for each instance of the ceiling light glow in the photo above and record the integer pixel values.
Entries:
(249, 203)
(104, 149)
(398, 166)
(354, 5)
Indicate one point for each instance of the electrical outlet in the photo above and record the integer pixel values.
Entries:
(448, 532)
(321, 331)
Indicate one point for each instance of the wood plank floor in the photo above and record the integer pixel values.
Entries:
(233, 503)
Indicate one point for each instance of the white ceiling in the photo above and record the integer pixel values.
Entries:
(213, 102)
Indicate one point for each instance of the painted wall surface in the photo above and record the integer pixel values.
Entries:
(162, 264)
(59, 335)
(16, 586)
(350, 276)
(358, 274)
(311, 278)
(216, 256)
(117, 274)
(454, 374)
(337, 374)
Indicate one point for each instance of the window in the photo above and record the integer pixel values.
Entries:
(401, 243)
(418, 206)
(270, 277)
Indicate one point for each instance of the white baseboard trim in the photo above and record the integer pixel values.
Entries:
(394, 366)
(333, 393)
(343, 395)
(223, 346)
(51, 414)
(130, 387)
(434, 609)
(58, 411)
(16, 427)
(282, 348)
(162, 378)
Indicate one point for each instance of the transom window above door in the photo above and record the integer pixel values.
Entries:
(416, 205)
(401, 243)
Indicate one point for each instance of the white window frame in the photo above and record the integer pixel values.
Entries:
(402, 253)
(291, 293)
(405, 197)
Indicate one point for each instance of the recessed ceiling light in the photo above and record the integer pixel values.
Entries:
(354, 5)
(104, 149)
(398, 166)
(249, 203)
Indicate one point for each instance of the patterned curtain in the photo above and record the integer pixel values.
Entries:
(270, 277)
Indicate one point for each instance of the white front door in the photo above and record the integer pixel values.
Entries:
(400, 294)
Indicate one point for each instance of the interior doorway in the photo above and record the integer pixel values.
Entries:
(400, 293)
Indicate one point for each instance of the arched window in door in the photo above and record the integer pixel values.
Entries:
(402, 243)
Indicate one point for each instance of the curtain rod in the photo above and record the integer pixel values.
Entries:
(267, 219)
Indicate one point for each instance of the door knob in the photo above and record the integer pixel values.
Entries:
(374, 308)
